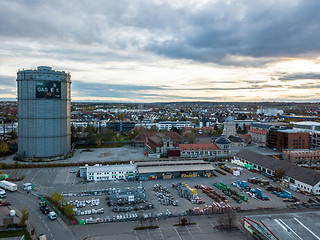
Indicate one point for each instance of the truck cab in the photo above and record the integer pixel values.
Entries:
(27, 186)
(3, 193)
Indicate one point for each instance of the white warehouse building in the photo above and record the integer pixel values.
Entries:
(108, 172)
(305, 179)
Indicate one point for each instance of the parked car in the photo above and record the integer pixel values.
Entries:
(5, 204)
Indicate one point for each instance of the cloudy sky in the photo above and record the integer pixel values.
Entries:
(159, 51)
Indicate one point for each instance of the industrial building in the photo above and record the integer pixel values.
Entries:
(43, 113)
(109, 172)
(295, 226)
(172, 168)
(305, 179)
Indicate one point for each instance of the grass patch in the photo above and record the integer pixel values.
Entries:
(15, 233)
(17, 165)
(146, 227)
(181, 224)
(87, 150)
(103, 145)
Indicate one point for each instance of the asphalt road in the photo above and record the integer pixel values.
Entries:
(54, 230)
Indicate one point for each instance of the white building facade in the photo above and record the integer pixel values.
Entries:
(108, 172)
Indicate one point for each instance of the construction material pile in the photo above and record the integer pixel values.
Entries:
(164, 195)
(230, 193)
(259, 181)
(212, 193)
(189, 193)
(258, 194)
(214, 208)
(120, 197)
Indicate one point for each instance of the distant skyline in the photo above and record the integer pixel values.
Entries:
(167, 51)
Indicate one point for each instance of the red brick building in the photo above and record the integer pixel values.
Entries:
(281, 139)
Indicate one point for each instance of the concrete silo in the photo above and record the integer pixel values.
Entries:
(43, 113)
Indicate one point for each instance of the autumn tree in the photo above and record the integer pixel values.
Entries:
(68, 211)
(24, 217)
(279, 173)
(4, 148)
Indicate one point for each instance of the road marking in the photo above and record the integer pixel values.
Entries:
(161, 233)
(306, 228)
(136, 235)
(189, 232)
(285, 227)
(35, 176)
(177, 233)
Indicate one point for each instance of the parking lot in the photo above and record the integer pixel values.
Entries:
(63, 180)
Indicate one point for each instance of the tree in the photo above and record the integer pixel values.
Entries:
(24, 217)
(68, 211)
(191, 138)
(91, 137)
(13, 134)
(4, 148)
(174, 129)
(141, 218)
(279, 173)
(56, 197)
(107, 134)
(227, 219)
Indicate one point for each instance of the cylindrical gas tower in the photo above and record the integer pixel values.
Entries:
(43, 113)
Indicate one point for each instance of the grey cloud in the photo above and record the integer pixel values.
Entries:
(127, 91)
(212, 33)
(299, 76)
(8, 81)
(306, 86)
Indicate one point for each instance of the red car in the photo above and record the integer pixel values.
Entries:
(5, 204)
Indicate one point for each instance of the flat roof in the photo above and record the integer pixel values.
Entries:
(307, 123)
(124, 167)
(159, 163)
(303, 225)
(177, 168)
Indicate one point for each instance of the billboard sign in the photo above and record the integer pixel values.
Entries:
(48, 89)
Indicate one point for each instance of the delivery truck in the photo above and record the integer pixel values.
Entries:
(8, 185)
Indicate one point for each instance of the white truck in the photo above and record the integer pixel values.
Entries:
(3, 193)
(8, 185)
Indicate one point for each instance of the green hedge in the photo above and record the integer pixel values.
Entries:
(18, 165)
(15, 233)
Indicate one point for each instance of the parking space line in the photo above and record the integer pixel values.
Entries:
(136, 235)
(199, 228)
(189, 232)
(35, 175)
(161, 233)
(177, 233)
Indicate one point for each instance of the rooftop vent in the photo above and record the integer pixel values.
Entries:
(44, 68)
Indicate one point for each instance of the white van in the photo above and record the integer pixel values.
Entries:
(3, 193)
(52, 215)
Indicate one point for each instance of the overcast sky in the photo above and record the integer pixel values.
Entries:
(157, 51)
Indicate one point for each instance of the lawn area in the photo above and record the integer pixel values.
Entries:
(15, 233)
